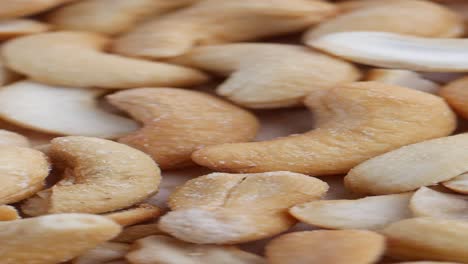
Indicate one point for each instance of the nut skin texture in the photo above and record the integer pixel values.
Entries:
(456, 94)
(18, 8)
(177, 122)
(326, 246)
(99, 176)
(69, 235)
(354, 122)
(77, 59)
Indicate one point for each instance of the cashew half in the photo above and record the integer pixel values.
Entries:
(18, 8)
(18, 27)
(269, 75)
(456, 94)
(177, 122)
(355, 122)
(76, 59)
(99, 176)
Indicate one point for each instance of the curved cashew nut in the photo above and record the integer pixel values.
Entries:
(18, 8)
(18, 27)
(99, 176)
(8, 138)
(213, 21)
(355, 122)
(69, 235)
(177, 122)
(269, 75)
(76, 59)
(456, 94)
(221, 208)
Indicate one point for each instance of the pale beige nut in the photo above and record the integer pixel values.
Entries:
(18, 27)
(411, 167)
(103, 253)
(98, 176)
(110, 16)
(213, 21)
(263, 75)
(177, 122)
(354, 122)
(8, 213)
(456, 94)
(390, 50)
(132, 233)
(221, 208)
(458, 184)
(9, 138)
(403, 78)
(53, 238)
(6, 75)
(373, 212)
(428, 238)
(326, 246)
(168, 250)
(77, 59)
(427, 202)
(61, 110)
(135, 215)
(18, 8)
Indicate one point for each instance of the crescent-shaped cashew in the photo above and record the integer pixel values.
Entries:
(354, 122)
(8, 213)
(214, 21)
(53, 238)
(99, 176)
(18, 27)
(177, 122)
(76, 59)
(427, 202)
(403, 78)
(18, 8)
(9, 138)
(261, 74)
(397, 51)
(456, 94)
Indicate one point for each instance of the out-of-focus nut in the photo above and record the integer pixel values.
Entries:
(99, 176)
(135, 215)
(458, 184)
(8, 213)
(9, 138)
(177, 122)
(326, 246)
(456, 94)
(132, 233)
(427, 202)
(18, 8)
(354, 122)
(76, 59)
(426, 262)
(6, 75)
(103, 253)
(18, 27)
(403, 78)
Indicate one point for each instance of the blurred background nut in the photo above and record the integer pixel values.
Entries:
(103, 253)
(18, 27)
(18, 8)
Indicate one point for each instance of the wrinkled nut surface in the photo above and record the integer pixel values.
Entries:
(18, 27)
(427, 202)
(53, 238)
(76, 59)
(168, 250)
(326, 246)
(61, 110)
(354, 122)
(410, 167)
(135, 215)
(177, 122)
(373, 212)
(261, 74)
(404, 78)
(18, 8)
(458, 184)
(9, 138)
(221, 208)
(103, 253)
(132, 233)
(8, 213)
(456, 94)
(98, 176)
(428, 238)
(213, 21)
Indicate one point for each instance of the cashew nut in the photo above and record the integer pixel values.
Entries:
(99, 176)
(135, 215)
(458, 184)
(8, 213)
(177, 122)
(103, 253)
(8, 138)
(76, 59)
(408, 79)
(456, 94)
(427, 202)
(17, 27)
(18, 8)
(269, 75)
(355, 122)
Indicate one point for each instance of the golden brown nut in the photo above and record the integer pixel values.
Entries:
(18, 8)
(135, 215)
(456, 94)
(103, 253)
(8, 213)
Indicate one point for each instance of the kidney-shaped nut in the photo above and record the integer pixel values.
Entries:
(177, 122)
(214, 21)
(456, 94)
(8, 213)
(410, 167)
(458, 184)
(99, 176)
(76, 59)
(18, 27)
(103, 253)
(403, 78)
(221, 208)
(9, 138)
(135, 215)
(18, 8)
(266, 75)
(427, 202)
(326, 246)
(354, 122)
(53, 238)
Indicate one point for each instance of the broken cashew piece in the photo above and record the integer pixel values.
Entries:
(458, 184)
(261, 74)
(372, 213)
(9, 138)
(168, 250)
(69, 235)
(8, 213)
(135, 215)
(177, 122)
(456, 94)
(326, 246)
(18, 27)
(99, 176)
(212, 209)
(411, 167)
(76, 59)
(354, 122)
(18, 8)
(103, 253)
(213, 22)
(403, 78)
(427, 202)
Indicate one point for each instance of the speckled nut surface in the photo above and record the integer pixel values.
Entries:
(354, 122)
(410, 167)
(266, 75)
(99, 176)
(18, 27)
(168, 250)
(326, 246)
(18, 8)
(403, 78)
(53, 238)
(213, 21)
(9, 138)
(103, 253)
(456, 94)
(177, 122)
(427, 202)
(221, 208)
(135, 215)
(8, 213)
(67, 58)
